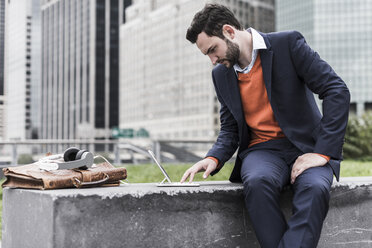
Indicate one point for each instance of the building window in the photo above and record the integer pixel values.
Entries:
(368, 106)
(353, 108)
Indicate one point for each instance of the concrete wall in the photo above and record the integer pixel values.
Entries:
(143, 215)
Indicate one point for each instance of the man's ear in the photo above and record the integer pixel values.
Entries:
(228, 31)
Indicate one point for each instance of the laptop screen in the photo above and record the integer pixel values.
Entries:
(160, 167)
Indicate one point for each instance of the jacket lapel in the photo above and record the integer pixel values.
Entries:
(266, 62)
(232, 87)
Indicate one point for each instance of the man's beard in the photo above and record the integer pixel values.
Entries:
(232, 54)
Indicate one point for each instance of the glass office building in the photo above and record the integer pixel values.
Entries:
(2, 31)
(165, 82)
(80, 68)
(341, 32)
(2, 66)
(22, 68)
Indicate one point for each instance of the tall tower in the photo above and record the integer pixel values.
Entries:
(80, 68)
(22, 68)
(165, 82)
(341, 32)
(2, 66)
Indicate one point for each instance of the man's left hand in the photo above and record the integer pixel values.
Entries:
(305, 162)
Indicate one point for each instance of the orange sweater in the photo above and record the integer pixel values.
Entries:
(257, 108)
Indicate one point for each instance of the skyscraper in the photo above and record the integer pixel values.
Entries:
(2, 66)
(80, 68)
(22, 67)
(165, 82)
(341, 32)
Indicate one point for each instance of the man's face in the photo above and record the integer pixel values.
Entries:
(219, 51)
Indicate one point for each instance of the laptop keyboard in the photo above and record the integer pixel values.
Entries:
(178, 184)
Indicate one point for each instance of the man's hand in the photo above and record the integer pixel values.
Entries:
(305, 162)
(207, 165)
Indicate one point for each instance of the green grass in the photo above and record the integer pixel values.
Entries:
(352, 168)
(150, 173)
(147, 173)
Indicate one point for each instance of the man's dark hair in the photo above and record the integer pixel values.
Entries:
(210, 20)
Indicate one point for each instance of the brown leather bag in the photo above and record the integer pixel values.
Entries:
(31, 177)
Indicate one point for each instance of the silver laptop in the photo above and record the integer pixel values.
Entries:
(167, 181)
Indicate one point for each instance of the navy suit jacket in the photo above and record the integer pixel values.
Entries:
(292, 71)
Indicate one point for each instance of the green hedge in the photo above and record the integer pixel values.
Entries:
(358, 138)
(25, 159)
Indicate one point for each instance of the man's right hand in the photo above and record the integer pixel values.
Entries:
(207, 165)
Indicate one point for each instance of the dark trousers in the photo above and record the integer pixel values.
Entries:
(266, 169)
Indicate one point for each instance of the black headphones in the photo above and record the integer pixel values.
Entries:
(72, 154)
(76, 158)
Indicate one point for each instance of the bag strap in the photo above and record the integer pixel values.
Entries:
(79, 184)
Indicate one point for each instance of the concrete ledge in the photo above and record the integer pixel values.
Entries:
(142, 215)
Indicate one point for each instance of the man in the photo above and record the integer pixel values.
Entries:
(264, 83)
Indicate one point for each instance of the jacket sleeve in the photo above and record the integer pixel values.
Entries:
(228, 137)
(321, 79)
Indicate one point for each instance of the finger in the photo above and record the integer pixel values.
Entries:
(297, 173)
(293, 177)
(293, 174)
(185, 176)
(294, 170)
(207, 172)
(192, 176)
(300, 171)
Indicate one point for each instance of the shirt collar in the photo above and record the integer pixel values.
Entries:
(257, 40)
(257, 43)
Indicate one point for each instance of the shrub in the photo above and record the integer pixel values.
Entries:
(25, 159)
(358, 138)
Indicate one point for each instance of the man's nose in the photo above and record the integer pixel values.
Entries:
(213, 58)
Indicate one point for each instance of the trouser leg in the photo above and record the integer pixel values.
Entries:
(310, 207)
(264, 174)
